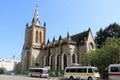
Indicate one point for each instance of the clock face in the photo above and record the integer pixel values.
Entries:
(91, 46)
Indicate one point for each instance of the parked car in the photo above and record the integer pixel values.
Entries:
(11, 73)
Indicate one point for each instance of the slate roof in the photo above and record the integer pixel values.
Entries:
(77, 39)
(80, 37)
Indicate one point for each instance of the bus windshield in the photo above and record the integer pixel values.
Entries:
(95, 70)
(45, 71)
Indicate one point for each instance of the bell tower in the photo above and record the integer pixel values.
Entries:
(35, 36)
(38, 31)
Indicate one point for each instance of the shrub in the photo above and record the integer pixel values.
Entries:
(59, 72)
(24, 72)
(50, 72)
(2, 70)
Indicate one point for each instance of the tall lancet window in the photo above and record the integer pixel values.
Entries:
(40, 38)
(65, 60)
(36, 36)
(73, 58)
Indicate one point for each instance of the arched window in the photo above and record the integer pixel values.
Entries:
(65, 60)
(45, 61)
(57, 61)
(36, 36)
(51, 63)
(28, 58)
(73, 58)
(40, 38)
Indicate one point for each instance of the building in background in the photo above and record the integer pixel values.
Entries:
(56, 54)
(10, 65)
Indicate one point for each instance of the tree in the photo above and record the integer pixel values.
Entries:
(37, 64)
(113, 30)
(2, 70)
(112, 45)
(103, 57)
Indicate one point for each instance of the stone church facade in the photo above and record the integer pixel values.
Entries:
(58, 53)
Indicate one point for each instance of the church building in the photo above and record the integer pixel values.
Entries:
(56, 54)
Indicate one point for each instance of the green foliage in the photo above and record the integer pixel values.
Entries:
(51, 73)
(2, 70)
(37, 64)
(113, 30)
(57, 72)
(103, 57)
(24, 72)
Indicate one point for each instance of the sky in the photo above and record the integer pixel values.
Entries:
(61, 16)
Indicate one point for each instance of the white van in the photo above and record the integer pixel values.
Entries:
(81, 72)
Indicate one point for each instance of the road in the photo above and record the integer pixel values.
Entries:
(21, 77)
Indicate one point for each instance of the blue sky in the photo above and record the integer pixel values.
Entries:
(61, 16)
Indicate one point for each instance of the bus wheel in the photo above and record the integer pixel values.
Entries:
(79, 78)
(40, 76)
(90, 78)
(71, 78)
(31, 75)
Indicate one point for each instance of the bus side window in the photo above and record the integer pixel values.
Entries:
(114, 69)
(67, 70)
(85, 70)
(118, 69)
(80, 70)
(89, 70)
(41, 71)
(73, 70)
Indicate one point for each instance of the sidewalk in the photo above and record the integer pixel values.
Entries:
(55, 78)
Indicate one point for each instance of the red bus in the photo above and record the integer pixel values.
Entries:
(114, 71)
(38, 72)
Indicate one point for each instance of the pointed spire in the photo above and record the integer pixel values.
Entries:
(89, 29)
(54, 39)
(44, 24)
(48, 41)
(33, 21)
(68, 35)
(60, 37)
(36, 17)
(26, 25)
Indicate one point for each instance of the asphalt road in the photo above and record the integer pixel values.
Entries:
(22, 77)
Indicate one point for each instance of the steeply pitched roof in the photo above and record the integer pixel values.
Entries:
(77, 39)
(80, 37)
